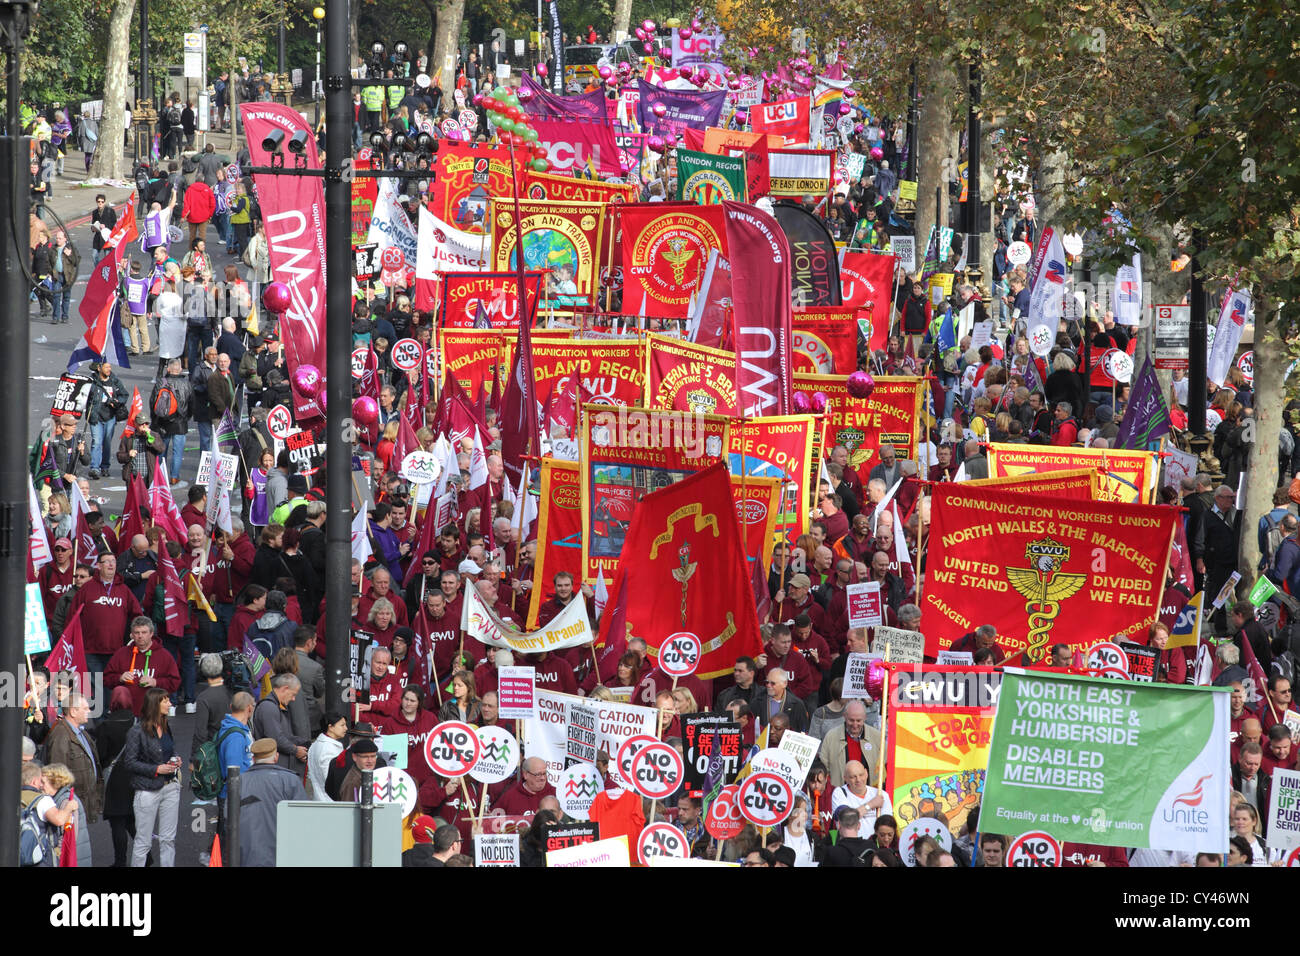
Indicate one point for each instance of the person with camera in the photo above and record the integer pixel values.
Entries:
(109, 401)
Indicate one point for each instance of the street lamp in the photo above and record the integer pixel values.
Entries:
(318, 14)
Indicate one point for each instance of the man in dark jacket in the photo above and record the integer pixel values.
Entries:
(850, 848)
(271, 719)
(1215, 547)
(262, 787)
(200, 406)
(170, 423)
(108, 398)
(778, 698)
(68, 450)
(65, 262)
(102, 221)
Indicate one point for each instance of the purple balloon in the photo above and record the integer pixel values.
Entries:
(366, 411)
(307, 380)
(819, 401)
(801, 403)
(276, 297)
(861, 384)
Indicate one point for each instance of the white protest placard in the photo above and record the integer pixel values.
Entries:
(578, 786)
(1284, 810)
(1177, 466)
(421, 468)
(279, 422)
(516, 693)
(36, 632)
(391, 785)
(925, 826)
(955, 657)
(905, 647)
(803, 748)
(496, 849)
(903, 248)
(611, 852)
(781, 763)
(864, 604)
(569, 728)
(981, 334)
(855, 676)
(498, 755)
(1292, 721)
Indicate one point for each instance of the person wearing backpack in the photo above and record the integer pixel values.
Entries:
(1271, 532)
(233, 745)
(850, 849)
(170, 406)
(41, 821)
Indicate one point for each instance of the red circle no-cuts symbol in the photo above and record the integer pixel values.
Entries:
(660, 839)
(680, 654)
(1108, 656)
(452, 748)
(623, 760)
(393, 259)
(407, 354)
(279, 422)
(724, 819)
(359, 362)
(1293, 858)
(1034, 849)
(656, 770)
(765, 799)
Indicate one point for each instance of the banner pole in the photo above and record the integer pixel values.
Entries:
(884, 725)
(921, 539)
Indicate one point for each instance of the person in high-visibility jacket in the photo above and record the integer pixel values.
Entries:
(395, 95)
(372, 101)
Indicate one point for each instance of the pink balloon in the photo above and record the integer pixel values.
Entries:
(696, 25)
(366, 411)
(802, 405)
(858, 128)
(605, 72)
(659, 109)
(656, 143)
(819, 400)
(648, 25)
(524, 94)
(850, 93)
(685, 71)
(845, 109)
(541, 69)
(307, 380)
(877, 153)
(861, 384)
(647, 48)
(876, 675)
(276, 297)
(685, 33)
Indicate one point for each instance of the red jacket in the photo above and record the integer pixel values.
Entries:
(156, 662)
(451, 807)
(200, 203)
(385, 697)
(53, 583)
(399, 606)
(803, 679)
(222, 579)
(443, 639)
(485, 679)
(1079, 854)
(244, 618)
(416, 732)
(555, 674)
(106, 614)
(191, 515)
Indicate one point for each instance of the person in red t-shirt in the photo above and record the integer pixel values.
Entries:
(523, 798)
(142, 664)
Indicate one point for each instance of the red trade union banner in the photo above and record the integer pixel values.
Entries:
(293, 209)
(573, 143)
(626, 454)
(788, 119)
(569, 189)
(940, 727)
(1076, 483)
(890, 416)
(1042, 570)
(780, 447)
(689, 573)
(474, 356)
(498, 291)
(609, 371)
(365, 190)
(560, 238)
(665, 250)
(760, 285)
(826, 340)
(868, 277)
(686, 377)
(721, 141)
(466, 176)
(559, 531)
(1123, 475)
(758, 501)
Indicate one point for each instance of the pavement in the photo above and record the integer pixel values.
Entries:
(49, 350)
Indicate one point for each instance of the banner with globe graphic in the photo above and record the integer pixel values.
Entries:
(560, 238)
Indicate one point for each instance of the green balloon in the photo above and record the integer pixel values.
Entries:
(500, 93)
(539, 165)
(512, 100)
(530, 135)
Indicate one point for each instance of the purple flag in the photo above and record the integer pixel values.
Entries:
(1146, 418)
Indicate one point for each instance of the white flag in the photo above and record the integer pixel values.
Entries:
(1232, 318)
(444, 248)
(390, 226)
(1046, 295)
(39, 541)
(361, 550)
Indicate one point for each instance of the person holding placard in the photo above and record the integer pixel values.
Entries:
(857, 794)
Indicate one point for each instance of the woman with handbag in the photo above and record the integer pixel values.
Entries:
(155, 768)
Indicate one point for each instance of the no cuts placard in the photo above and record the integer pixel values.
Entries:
(452, 748)
(680, 654)
(765, 799)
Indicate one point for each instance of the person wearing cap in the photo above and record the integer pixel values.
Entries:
(363, 755)
(795, 599)
(262, 787)
(429, 835)
(56, 577)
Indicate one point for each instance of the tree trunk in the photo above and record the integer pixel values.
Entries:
(1051, 187)
(938, 83)
(622, 19)
(450, 16)
(109, 157)
(1271, 361)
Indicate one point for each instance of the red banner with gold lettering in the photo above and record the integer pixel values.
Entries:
(466, 177)
(665, 251)
(686, 377)
(781, 447)
(1042, 570)
(892, 414)
(609, 371)
(826, 340)
(473, 356)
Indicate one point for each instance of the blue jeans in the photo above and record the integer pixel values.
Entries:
(222, 221)
(196, 340)
(175, 454)
(62, 299)
(101, 451)
(182, 648)
(205, 435)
